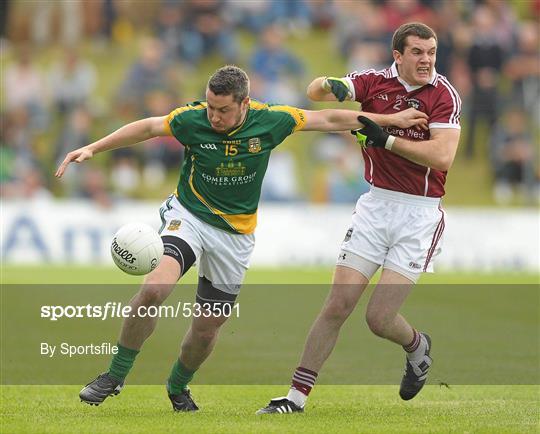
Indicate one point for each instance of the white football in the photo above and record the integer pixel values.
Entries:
(136, 248)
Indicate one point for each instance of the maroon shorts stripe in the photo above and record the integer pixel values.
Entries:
(436, 237)
(434, 245)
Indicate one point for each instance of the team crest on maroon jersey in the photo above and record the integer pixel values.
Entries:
(414, 103)
(254, 145)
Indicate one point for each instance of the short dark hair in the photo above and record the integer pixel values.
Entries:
(230, 80)
(411, 29)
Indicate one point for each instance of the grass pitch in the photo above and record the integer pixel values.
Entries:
(231, 409)
(461, 316)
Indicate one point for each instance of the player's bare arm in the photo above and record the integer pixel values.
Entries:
(342, 120)
(127, 135)
(330, 120)
(438, 152)
(320, 89)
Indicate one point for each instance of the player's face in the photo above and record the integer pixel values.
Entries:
(417, 62)
(224, 113)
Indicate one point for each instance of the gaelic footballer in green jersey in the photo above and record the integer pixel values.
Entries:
(221, 178)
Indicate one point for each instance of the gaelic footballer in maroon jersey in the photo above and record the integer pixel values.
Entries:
(398, 225)
(385, 92)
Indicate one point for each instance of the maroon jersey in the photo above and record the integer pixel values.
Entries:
(385, 92)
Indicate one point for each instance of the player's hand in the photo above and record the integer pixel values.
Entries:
(411, 118)
(372, 135)
(78, 155)
(338, 86)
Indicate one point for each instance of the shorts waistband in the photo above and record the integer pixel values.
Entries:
(411, 199)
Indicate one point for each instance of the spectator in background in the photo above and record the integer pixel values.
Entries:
(506, 20)
(294, 14)
(160, 153)
(445, 24)
(109, 16)
(485, 59)
(28, 185)
(338, 166)
(252, 15)
(6, 153)
(16, 154)
(125, 174)
(276, 72)
(323, 14)
(72, 81)
(24, 88)
(534, 7)
(98, 19)
(523, 69)
(168, 28)
(366, 55)
(4, 12)
(206, 29)
(281, 179)
(70, 21)
(76, 132)
(148, 73)
(402, 11)
(351, 36)
(19, 139)
(94, 187)
(342, 159)
(513, 158)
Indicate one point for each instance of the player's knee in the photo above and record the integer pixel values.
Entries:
(205, 336)
(378, 323)
(152, 294)
(338, 309)
(201, 336)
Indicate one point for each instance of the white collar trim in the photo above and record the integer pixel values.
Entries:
(394, 73)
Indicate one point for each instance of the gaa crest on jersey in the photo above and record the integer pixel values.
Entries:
(211, 146)
(254, 145)
(413, 103)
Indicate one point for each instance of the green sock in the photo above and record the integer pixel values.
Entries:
(179, 378)
(122, 362)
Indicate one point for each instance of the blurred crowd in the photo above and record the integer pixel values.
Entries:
(490, 51)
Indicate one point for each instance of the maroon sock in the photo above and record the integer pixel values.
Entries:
(303, 380)
(414, 343)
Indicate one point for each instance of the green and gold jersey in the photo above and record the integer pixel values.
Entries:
(222, 174)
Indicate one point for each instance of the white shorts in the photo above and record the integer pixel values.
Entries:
(223, 258)
(401, 232)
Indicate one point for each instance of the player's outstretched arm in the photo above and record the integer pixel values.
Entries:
(127, 135)
(341, 120)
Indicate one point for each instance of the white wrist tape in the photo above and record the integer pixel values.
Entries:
(325, 85)
(389, 142)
